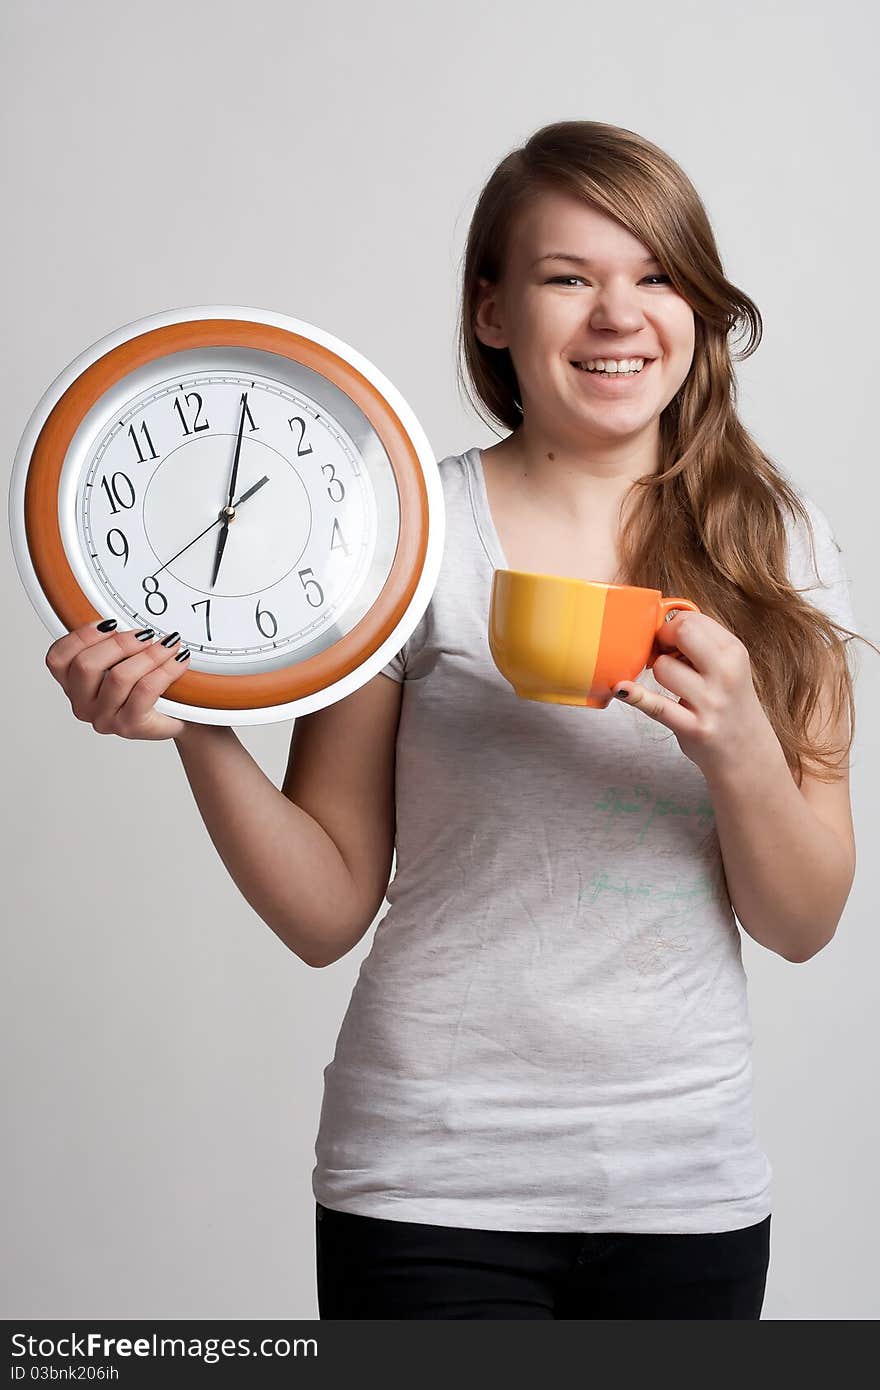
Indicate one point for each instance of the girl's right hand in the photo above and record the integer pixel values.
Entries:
(114, 679)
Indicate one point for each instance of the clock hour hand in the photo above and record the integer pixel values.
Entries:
(243, 498)
(221, 539)
(251, 490)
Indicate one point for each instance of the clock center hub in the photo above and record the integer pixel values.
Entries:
(273, 525)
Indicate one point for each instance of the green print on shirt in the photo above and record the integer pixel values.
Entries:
(702, 888)
(616, 802)
(614, 909)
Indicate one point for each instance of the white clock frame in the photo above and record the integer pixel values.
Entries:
(436, 536)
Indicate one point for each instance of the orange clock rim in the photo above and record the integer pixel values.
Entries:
(205, 688)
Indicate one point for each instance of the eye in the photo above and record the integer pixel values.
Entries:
(559, 279)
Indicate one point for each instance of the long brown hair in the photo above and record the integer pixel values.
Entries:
(708, 523)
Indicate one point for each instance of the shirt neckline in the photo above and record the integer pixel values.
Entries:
(482, 511)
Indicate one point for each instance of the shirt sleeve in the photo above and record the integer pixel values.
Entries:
(827, 584)
(396, 667)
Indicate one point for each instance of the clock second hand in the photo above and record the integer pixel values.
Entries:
(243, 498)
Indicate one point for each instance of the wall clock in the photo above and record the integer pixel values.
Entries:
(243, 478)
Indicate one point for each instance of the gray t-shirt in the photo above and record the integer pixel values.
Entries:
(551, 1030)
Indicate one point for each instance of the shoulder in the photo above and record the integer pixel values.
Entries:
(802, 539)
(454, 470)
(456, 473)
(816, 560)
(819, 520)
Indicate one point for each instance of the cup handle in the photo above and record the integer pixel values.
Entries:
(666, 607)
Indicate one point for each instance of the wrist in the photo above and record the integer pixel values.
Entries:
(756, 753)
(194, 733)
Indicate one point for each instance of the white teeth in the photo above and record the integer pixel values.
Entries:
(626, 367)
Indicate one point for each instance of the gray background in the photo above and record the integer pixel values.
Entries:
(163, 1051)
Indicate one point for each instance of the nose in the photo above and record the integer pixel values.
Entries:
(617, 307)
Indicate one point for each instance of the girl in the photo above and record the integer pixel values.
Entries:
(540, 1100)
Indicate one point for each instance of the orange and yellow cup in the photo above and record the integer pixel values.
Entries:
(570, 641)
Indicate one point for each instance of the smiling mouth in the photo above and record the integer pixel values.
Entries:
(614, 380)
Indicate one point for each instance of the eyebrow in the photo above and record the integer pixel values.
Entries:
(584, 260)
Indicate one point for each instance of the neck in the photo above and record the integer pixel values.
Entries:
(576, 484)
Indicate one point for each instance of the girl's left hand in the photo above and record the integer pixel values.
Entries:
(718, 719)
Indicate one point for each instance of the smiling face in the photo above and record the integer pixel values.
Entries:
(615, 303)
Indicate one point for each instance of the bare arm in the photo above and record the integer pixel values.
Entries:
(282, 861)
(788, 871)
(313, 859)
(789, 852)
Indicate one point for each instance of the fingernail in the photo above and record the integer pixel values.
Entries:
(170, 639)
(181, 656)
(107, 625)
(145, 633)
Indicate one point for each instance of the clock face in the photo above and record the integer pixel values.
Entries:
(304, 555)
(242, 478)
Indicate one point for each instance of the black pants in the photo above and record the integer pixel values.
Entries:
(370, 1267)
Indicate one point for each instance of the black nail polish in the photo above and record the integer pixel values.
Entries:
(107, 625)
(144, 633)
(181, 656)
(170, 639)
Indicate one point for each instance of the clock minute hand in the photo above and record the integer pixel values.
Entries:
(237, 449)
(229, 511)
(243, 498)
(221, 546)
(221, 540)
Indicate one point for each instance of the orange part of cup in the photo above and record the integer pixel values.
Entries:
(623, 616)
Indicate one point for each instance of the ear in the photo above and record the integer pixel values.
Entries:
(487, 318)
